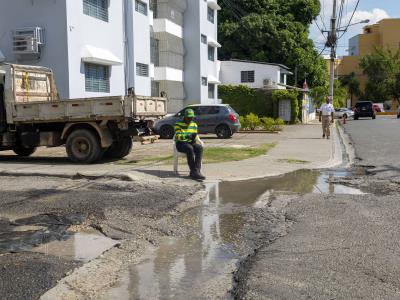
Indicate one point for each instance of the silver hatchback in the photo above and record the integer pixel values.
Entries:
(219, 119)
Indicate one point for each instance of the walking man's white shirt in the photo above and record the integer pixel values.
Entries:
(326, 117)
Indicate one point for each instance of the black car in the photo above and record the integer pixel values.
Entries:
(219, 119)
(364, 109)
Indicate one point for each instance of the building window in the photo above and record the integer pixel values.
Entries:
(204, 39)
(210, 15)
(96, 8)
(97, 78)
(282, 79)
(211, 53)
(155, 89)
(142, 70)
(204, 81)
(154, 49)
(247, 76)
(141, 7)
(211, 91)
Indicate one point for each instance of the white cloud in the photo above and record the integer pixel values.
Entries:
(374, 16)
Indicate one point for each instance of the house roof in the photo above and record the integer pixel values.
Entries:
(261, 63)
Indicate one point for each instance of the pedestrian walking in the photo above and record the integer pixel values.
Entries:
(326, 116)
(187, 142)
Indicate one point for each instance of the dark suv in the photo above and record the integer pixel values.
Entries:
(220, 119)
(364, 109)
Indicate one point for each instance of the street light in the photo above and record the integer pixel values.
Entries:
(361, 22)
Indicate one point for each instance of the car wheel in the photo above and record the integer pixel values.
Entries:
(223, 131)
(83, 146)
(398, 116)
(24, 152)
(167, 132)
(355, 117)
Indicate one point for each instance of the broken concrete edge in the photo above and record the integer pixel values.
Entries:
(347, 142)
(65, 290)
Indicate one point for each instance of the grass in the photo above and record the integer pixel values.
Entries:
(294, 161)
(211, 155)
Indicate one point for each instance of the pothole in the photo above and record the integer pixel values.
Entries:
(201, 264)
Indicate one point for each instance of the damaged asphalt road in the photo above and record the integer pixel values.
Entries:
(37, 210)
(340, 246)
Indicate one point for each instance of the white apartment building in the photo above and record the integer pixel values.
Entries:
(104, 47)
(254, 74)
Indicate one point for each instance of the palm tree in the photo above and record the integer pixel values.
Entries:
(352, 84)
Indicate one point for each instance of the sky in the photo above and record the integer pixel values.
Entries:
(374, 10)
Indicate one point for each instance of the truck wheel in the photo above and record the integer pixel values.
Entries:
(223, 131)
(83, 146)
(167, 132)
(120, 148)
(24, 152)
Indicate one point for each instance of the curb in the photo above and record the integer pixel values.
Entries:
(348, 146)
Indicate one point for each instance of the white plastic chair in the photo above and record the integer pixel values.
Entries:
(177, 153)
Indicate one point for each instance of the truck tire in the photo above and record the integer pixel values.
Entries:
(119, 149)
(83, 146)
(24, 152)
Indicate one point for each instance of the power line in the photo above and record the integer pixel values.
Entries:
(351, 19)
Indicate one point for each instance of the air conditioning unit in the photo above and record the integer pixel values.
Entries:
(28, 40)
(268, 82)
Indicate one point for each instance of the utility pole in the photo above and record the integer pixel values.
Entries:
(332, 40)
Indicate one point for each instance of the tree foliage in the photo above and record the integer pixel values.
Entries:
(352, 84)
(320, 93)
(273, 31)
(383, 70)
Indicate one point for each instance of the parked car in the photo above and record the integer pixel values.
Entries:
(364, 109)
(343, 112)
(378, 107)
(220, 119)
(398, 113)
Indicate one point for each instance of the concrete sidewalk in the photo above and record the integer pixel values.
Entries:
(298, 147)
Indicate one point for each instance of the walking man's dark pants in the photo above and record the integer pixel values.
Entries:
(194, 153)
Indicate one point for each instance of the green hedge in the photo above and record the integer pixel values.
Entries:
(253, 122)
(245, 100)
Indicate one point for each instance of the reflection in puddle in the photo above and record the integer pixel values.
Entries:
(81, 246)
(181, 268)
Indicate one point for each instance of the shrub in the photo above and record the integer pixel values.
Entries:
(252, 121)
(268, 123)
(279, 124)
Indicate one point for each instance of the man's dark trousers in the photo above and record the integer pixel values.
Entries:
(194, 153)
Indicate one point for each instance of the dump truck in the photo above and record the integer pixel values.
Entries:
(33, 115)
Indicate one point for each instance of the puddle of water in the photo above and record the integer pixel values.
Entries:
(81, 246)
(201, 265)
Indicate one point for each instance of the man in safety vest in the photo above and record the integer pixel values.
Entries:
(186, 142)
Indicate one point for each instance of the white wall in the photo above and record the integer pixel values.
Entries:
(141, 49)
(86, 30)
(231, 73)
(48, 14)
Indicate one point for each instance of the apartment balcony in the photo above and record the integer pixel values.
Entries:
(165, 25)
(168, 74)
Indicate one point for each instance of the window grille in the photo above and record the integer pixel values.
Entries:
(211, 53)
(247, 76)
(97, 78)
(210, 15)
(96, 8)
(142, 70)
(141, 7)
(155, 53)
(211, 91)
